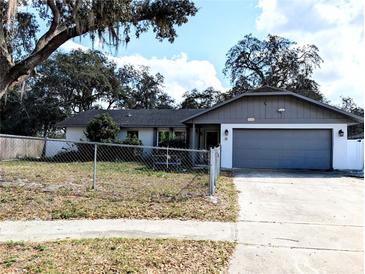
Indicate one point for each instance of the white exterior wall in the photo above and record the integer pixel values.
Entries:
(75, 134)
(355, 154)
(144, 134)
(339, 144)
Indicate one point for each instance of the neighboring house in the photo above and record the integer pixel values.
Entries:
(146, 124)
(265, 128)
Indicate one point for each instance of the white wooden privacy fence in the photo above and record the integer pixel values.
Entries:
(13, 148)
(355, 154)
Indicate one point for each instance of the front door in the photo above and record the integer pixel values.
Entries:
(211, 139)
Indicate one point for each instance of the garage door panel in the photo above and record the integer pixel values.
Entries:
(282, 148)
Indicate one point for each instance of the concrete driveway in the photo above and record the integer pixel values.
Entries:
(298, 222)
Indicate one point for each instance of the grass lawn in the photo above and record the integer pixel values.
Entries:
(116, 256)
(41, 190)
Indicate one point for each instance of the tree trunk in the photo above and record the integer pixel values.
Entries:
(5, 66)
(12, 74)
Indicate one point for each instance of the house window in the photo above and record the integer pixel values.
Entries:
(131, 134)
(163, 135)
(180, 135)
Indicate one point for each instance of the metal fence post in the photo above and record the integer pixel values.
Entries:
(94, 167)
(211, 172)
(217, 162)
(44, 150)
(167, 157)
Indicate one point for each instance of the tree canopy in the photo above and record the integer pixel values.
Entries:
(142, 90)
(23, 47)
(348, 104)
(201, 99)
(68, 83)
(79, 78)
(274, 61)
(34, 113)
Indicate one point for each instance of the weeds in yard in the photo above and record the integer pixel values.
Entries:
(117, 256)
(70, 210)
(15, 243)
(8, 262)
(124, 190)
(40, 247)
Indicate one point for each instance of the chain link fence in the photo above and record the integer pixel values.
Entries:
(118, 170)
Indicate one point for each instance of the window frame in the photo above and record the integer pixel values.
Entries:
(183, 131)
(132, 130)
(158, 134)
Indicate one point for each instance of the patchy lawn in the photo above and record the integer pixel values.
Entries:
(116, 256)
(39, 190)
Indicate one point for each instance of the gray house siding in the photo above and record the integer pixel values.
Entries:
(264, 109)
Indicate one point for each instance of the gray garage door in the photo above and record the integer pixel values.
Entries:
(282, 148)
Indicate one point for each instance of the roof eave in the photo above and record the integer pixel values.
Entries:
(127, 126)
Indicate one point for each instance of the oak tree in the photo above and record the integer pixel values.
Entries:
(195, 99)
(140, 89)
(274, 61)
(23, 47)
(348, 104)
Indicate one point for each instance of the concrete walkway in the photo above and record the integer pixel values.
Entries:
(79, 229)
(298, 222)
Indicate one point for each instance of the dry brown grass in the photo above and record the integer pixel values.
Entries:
(116, 256)
(38, 190)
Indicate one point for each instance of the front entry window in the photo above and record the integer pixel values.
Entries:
(163, 135)
(180, 136)
(211, 139)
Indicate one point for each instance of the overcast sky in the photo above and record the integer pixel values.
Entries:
(196, 58)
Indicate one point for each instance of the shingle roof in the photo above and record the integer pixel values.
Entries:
(134, 117)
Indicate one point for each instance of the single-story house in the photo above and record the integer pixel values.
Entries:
(264, 128)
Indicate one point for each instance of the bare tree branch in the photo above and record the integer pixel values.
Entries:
(52, 29)
(71, 18)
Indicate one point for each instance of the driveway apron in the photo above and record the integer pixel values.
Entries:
(298, 222)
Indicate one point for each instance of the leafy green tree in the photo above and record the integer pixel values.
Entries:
(164, 101)
(23, 47)
(348, 104)
(14, 116)
(67, 83)
(276, 62)
(201, 99)
(34, 113)
(141, 89)
(102, 128)
(80, 78)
